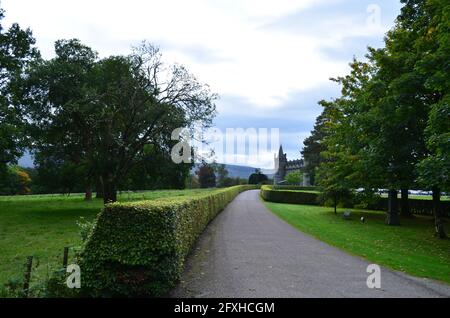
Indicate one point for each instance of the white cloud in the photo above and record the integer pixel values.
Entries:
(262, 65)
(233, 45)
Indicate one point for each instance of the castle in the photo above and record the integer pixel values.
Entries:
(285, 167)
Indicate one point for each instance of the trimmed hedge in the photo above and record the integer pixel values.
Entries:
(417, 206)
(294, 195)
(138, 249)
(289, 195)
(293, 187)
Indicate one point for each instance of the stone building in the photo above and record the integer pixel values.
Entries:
(285, 167)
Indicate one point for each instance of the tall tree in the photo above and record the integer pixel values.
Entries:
(206, 176)
(222, 175)
(313, 147)
(384, 110)
(57, 98)
(16, 52)
(348, 136)
(435, 41)
(123, 104)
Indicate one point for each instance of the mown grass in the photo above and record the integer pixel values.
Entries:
(409, 248)
(42, 225)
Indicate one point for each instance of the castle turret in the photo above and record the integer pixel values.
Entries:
(280, 165)
(284, 167)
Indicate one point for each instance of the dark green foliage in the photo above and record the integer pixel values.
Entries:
(103, 115)
(156, 170)
(16, 52)
(293, 187)
(206, 176)
(278, 195)
(222, 175)
(314, 146)
(138, 249)
(258, 178)
(390, 126)
(335, 198)
(417, 206)
(347, 199)
(294, 178)
(14, 180)
(56, 175)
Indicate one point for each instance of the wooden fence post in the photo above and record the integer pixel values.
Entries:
(65, 257)
(27, 276)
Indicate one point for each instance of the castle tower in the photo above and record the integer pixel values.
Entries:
(280, 162)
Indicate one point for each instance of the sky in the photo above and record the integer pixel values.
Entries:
(269, 61)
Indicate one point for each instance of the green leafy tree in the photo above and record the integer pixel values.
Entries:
(15, 181)
(294, 177)
(313, 146)
(258, 177)
(435, 41)
(56, 175)
(57, 100)
(345, 164)
(206, 176)
(16, 52)
(386, 123)
(116, 107)
(222, 176)
(156, 170)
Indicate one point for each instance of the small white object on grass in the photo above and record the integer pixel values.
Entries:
(363, 220)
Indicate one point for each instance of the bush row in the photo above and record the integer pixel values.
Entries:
(287, 194)
(299, 188)
(269, 193)
(417, 206)
(139, 248)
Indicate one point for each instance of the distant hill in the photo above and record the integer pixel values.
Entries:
(243, 172)
(234, 171)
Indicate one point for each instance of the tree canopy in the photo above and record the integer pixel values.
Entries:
(17, 51)
(101, 114)
(390, 128)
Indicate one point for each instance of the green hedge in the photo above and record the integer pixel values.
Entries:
(139, 249)
(304, 195)
(417, 206)
(288, 195)
(292, 187)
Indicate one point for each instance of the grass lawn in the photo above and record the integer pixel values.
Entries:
(42, 225)
(409, 248)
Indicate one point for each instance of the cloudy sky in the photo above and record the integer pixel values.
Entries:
(269, 60)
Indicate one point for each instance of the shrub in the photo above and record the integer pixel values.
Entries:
(139, 248)
(257, 178)
(346, 199)
(294, 177)
(293, 187)
(288, 195)
(417, 206)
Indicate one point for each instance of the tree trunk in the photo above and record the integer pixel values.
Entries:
(109, 190)
(88, 193)
(99, 188)
(405, 209)
(437, 210)
(392, 214)
(335, 203)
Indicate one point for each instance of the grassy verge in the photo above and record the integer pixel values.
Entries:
(409, 248)
(42, 225)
